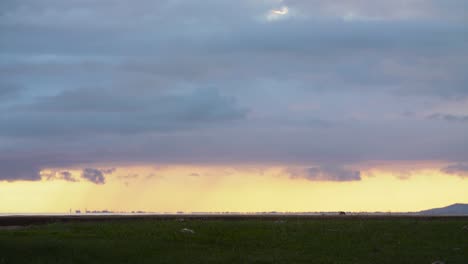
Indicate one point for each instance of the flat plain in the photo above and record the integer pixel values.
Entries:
(234, 239)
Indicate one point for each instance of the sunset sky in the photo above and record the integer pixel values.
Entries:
(247, 105)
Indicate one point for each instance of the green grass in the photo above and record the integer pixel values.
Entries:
(345, 241)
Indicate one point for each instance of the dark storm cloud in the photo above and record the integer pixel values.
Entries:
(12, 170)
(93, 175)
(67, 176)
(27, 159)
(377, 56)
(335, 173)
(96, 111)
(460, 169)
(95, 82)
(129, 176)
(59, 175)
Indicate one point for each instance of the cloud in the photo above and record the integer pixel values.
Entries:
(94, 175)
(92, 111)
(127, 179)
(459, 169)
(129, 176)
(449, 117)
(110, 171)
(9, 91)
(403, 175)
(67, 176)
(58, 175)
(120, 14)
(392, 10)
(334, 173)
(177, 82)
(11, 169)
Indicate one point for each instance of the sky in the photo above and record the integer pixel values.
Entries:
(248, 105)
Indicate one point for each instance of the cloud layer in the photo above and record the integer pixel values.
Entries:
(93, 175)
(460, 169)
(86, 82)
(327, 172)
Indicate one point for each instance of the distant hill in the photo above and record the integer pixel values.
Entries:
(454, 209)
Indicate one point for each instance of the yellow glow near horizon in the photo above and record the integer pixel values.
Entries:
(244, 189)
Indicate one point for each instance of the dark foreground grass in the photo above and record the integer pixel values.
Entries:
(377, 241)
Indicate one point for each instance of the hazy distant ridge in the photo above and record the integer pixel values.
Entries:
(454, 209)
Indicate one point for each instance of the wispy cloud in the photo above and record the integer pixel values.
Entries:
(95, 175)
(460, 169)
(335, 173)
(449, 117)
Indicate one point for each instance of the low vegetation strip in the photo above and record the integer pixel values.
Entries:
(341, 240)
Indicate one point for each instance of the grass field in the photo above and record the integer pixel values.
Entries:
(289, 240)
